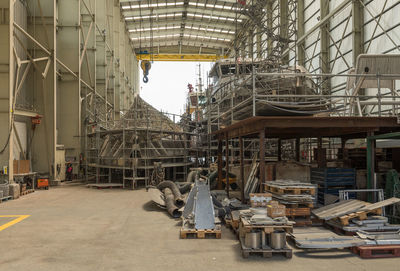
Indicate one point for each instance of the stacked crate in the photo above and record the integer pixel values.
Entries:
(297, 197)
(331, 180)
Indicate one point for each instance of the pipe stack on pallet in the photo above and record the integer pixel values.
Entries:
(259, 234)
(297, 197)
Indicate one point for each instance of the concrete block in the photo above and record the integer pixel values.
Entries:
(14, 190)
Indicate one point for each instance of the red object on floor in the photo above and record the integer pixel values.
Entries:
(369, 252)
(43, 183)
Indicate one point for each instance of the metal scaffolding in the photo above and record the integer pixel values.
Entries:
(143, 137)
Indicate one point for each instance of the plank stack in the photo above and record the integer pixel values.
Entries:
(351, 216)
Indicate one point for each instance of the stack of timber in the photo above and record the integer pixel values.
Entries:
(297, 197)
(331, 180)
(351, 216)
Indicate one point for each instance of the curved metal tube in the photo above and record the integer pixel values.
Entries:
(170, 203)
(185, 188)
(191, 176)
(179, 202)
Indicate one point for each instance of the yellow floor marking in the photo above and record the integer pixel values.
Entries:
(19, 218)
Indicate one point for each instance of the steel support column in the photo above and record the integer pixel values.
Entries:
(259, 43)
(269, 26)
(262, 160)
(279, 149)
(227, 165)
(298, 149)
(325, 55)
(241, 168)
(301, 58)
(219, 164)
(358, 29)
(371, 144)
(284, 28)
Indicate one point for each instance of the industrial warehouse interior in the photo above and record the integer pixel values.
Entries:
(200, 134)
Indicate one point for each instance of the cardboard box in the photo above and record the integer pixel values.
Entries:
(276, 210)
(21, 166)
(260, 199)
(273, 203)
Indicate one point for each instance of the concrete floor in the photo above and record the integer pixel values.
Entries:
(77, 228)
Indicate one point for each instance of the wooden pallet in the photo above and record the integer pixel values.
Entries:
(290, 190)
(370, 252)
(27, 192)
(297, 204)
(361, 215)
(187, 233)
(265, 253)
(293, 212)
(245, 227)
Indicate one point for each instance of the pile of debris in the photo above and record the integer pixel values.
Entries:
(359, 225)
(297, 197)
(168, 195)
(351, 216)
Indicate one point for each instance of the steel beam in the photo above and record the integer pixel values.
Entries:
(181, 57)
(358, 30)
(242, 168)
(262, 160)
(284, 28)
(219, 164)
(325, 55)
(301, 55)
(227, 165)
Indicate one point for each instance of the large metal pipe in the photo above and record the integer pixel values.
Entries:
(185, 188)
(179, 202)
(170, 203)
(191, 176)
